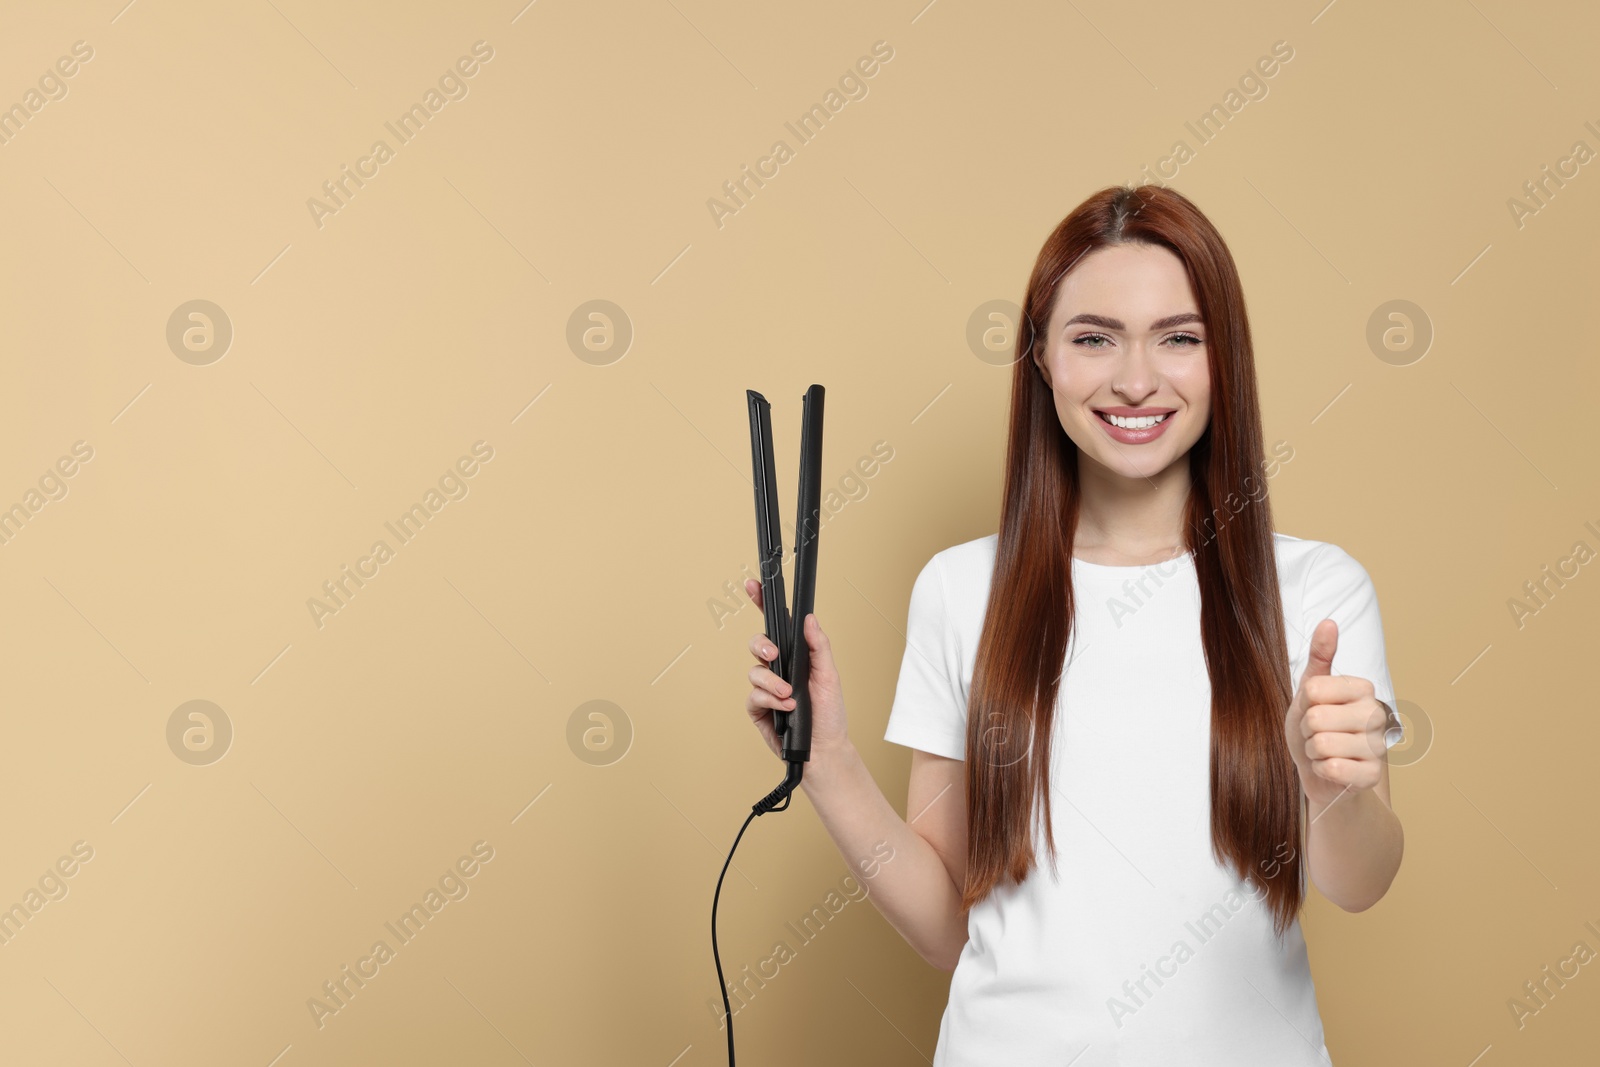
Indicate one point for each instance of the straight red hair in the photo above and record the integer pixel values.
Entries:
(1255, 788)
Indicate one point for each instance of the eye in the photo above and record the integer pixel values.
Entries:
(1177, 340)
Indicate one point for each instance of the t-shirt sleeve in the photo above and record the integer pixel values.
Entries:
(930, 709)
(1339, 588)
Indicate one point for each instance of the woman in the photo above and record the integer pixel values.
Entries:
(1136, 672)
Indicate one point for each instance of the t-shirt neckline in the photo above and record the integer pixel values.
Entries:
(1185, 560)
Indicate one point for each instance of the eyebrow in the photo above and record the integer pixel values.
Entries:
(1117, 324)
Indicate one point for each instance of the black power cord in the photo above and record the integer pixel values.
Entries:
(785, 793)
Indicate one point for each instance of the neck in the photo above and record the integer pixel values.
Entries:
(1137, 517)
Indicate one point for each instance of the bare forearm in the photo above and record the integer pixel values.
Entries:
(1354, 847)
(912, 887)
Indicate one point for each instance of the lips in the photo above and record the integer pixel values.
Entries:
(1141, 435)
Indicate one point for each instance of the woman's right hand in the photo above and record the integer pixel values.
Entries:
(769, 692)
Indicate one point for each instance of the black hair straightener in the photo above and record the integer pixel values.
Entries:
(785, 627)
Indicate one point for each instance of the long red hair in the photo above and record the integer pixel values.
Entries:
(1255, 789)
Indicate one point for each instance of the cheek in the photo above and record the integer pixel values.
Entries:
(1072, 393)
(1076, 380)
(1193, 384)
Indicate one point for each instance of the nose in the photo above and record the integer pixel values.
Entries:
(1135, 377)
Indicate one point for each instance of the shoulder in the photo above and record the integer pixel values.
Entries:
(968, 557)
(1317, 570)
(964, 569)
(957, 579)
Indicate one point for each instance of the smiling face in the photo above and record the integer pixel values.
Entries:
(1126, 346)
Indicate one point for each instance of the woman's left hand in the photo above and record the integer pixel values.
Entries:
(1334, 726)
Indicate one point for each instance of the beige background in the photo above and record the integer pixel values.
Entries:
(431, 311)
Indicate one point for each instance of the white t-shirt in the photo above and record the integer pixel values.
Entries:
(1141, 949)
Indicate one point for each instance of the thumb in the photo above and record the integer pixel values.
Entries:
(1324, 642)
(821, 649)
(1319, 661)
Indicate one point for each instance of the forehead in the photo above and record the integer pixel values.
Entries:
(1134, 283)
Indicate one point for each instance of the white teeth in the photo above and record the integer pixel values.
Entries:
(1142, 423)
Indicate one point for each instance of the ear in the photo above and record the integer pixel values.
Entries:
(1035, 348)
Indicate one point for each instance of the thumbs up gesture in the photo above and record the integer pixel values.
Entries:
(1334, 726)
